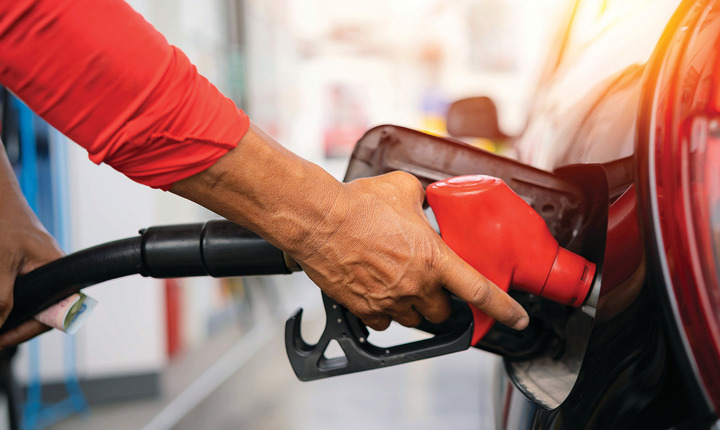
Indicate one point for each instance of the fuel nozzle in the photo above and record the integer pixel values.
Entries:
(503, 238)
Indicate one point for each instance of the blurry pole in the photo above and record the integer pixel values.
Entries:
(237, 52)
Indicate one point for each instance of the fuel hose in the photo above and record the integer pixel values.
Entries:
(215, 248)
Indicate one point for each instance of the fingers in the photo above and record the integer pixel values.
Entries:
(403, 189)
(21, 333)
(460, 278)
(435, 306)
(40, 250)
(408, 317)
(405, 180)
(7, 283)
(402, 274)
(379, 323)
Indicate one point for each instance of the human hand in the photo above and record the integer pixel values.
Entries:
(376, 254)
(366, 244)
(25, 246)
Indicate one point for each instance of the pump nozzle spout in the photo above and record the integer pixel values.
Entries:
(503, 238)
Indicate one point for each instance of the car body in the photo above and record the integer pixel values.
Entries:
(633, 88)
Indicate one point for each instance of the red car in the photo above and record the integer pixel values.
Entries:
(634, 88)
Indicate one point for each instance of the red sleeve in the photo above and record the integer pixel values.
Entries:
(103, 76)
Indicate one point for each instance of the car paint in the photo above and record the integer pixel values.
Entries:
(636, 371)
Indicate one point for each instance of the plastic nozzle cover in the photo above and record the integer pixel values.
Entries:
(503, 238)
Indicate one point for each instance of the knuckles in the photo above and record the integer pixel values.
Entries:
(378, 323)
(6, 305)
(412, 319)
(482, 294)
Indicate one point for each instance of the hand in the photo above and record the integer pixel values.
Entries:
(25, 246)
(376, 254)
(367, 243)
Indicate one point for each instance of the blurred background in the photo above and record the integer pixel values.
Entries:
(208, 353)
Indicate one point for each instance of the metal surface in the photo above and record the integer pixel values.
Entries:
(635, 373)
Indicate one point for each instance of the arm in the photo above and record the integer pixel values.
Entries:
(24, 246)
(103, 76)
(367, 243)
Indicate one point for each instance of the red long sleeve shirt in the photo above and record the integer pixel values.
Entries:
(103, 76)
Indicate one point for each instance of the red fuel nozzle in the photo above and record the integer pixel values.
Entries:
(502, 237)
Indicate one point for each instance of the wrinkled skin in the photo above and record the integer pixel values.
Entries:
(366, 244)
(380, 280)
(402, 274)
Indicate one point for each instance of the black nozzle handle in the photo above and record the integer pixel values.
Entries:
(310, 363)
(216, 248)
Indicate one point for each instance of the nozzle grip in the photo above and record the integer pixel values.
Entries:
(310, 363)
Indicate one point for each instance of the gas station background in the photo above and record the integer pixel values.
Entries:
(315, 74)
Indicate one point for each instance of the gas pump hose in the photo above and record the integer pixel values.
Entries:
(215, 248)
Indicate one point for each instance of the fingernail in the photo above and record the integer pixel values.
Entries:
(521, 323)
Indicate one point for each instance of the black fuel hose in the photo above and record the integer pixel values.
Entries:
(215, 248)
(53, 282)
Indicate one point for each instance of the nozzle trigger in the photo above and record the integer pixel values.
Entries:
(310, 363)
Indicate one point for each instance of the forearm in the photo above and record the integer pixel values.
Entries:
(16, 212)
(263, 186)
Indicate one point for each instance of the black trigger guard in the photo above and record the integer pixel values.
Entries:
(309, 362)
